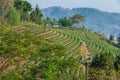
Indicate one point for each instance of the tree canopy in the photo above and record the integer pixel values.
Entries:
(24, 7)
(76, 19)
(118, 40)
(13, 17)
(65, 22)
(111, 38)
(36, 15)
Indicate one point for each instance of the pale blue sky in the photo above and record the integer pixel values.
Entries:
(104, 5)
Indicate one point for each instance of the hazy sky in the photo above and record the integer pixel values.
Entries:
(104, 5)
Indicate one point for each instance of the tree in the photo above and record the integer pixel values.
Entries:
(13, 17)
(4, 7)
(65, 22)
(23, 7)
(111, 38)
(55, 22)
(118, 40)
(76, 19)
(83, 28)
(48, 21)
(36, 15)
(117, 63)
(104, 60)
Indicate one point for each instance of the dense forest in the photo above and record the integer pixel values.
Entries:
(36, 48)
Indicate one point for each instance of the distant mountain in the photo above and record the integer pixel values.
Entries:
(108, 23)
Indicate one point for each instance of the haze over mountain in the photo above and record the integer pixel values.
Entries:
(105, 22)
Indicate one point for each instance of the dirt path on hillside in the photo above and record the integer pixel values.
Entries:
(84, 50)
(84, 53)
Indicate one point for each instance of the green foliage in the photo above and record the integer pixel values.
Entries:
(102, 74)
(36, 15)
(13, 17)
(11, 76)
(50, 61)
(77, 19)
(111, 38)
(46, 59)
(83, 28)
(53, 67)
(65, 22)
(117, 63)
(105, 66)
(4, 8)
(26, 16)
(118, 40)
(104, 60)
(55, 22)
(23, 7)
(48, 22)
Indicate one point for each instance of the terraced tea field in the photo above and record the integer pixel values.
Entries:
(72, 39)
(77, 43)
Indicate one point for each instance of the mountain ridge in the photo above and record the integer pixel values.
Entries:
(97, 20)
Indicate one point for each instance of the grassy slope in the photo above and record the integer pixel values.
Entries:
(72, 40)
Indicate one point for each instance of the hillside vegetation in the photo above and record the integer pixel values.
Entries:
(37, 48)
(29, 52)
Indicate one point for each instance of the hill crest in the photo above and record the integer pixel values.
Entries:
(105, 22)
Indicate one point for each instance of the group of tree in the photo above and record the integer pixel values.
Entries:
(118, 39)
(69, 22)
(107, 64)
(50, 22)
(14, 11)
(65, 22)
(77, 19)
(73, 21)
(112, 39)
(4, 7)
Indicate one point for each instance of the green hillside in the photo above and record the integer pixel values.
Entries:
(35, 47)
(33, 52)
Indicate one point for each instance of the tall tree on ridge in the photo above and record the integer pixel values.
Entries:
(4, 8)
(5, 5)
(76, 19)
(48, 21)
(65, 22)
(36, 15)
(23, 7)
(111, 38)
(118, 40)
(13, 17)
